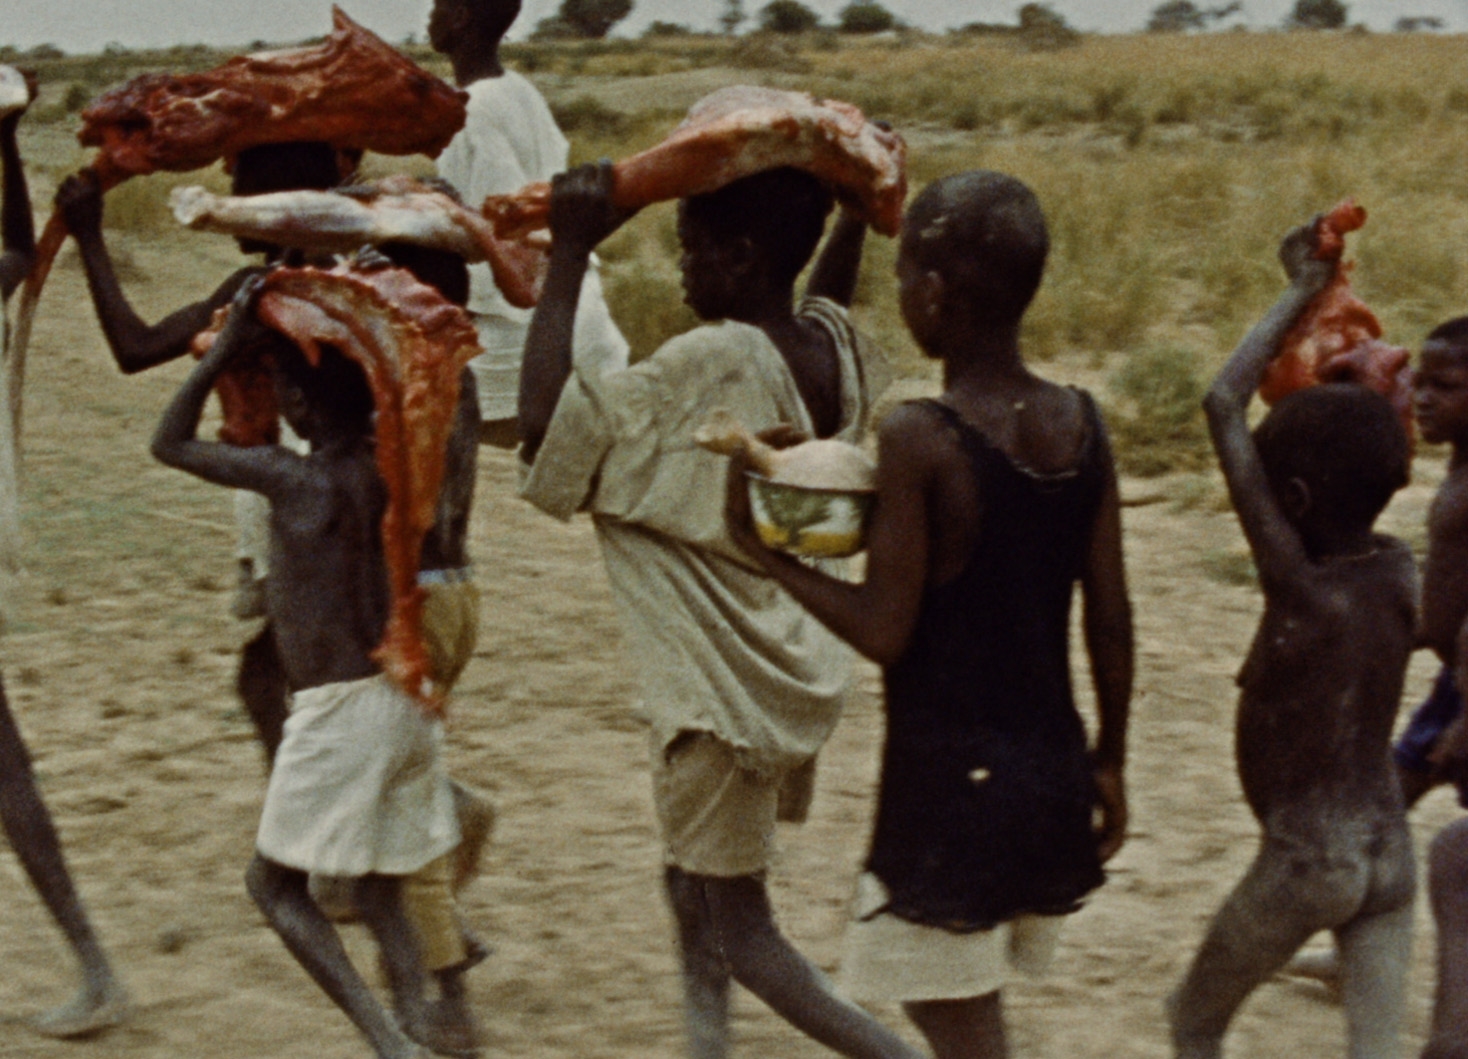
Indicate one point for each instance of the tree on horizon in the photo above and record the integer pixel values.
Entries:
(1318, 14)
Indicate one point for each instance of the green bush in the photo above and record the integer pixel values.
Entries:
(1156, 413)
(787, 16)
(865, 16)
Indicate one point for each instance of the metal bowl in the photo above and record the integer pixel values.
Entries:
(811, 523)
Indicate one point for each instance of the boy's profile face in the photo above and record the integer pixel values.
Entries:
(710, 275)
(914, 297)
(1440, 392)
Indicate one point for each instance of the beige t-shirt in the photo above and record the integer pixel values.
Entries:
(718, 645)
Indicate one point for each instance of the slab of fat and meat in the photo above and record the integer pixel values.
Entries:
(394, 209)
(737, 132)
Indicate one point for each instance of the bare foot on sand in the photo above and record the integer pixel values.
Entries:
(86, 1013)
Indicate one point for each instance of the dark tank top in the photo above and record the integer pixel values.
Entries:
(986, 792)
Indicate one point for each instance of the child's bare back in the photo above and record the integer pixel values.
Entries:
(1319, 692)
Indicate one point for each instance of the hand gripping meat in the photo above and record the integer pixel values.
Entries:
(1337, 338)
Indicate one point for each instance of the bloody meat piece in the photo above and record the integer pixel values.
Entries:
(1337, 338)
(412, 343)
(736, 132)
(352, 91)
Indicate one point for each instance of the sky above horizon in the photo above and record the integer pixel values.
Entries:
(90, 25)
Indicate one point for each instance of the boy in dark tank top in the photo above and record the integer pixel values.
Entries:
(992, 503)
(1318, 691)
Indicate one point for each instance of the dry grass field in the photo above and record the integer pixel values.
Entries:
(1168, 167)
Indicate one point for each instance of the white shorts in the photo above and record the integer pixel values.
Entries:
(358, 786)
(891, 958)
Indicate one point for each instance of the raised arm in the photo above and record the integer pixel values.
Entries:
(836, 270)
(135, 345)
(267, 469)
(1107, 622)
(878, 615)
(1278, 551)
(17, 230)
(581, 216)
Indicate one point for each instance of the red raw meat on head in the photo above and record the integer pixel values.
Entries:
(737, 132)
(352, 91)
(412, 343)
(1337, 338)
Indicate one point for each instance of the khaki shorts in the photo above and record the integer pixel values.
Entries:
(717, 817)
(450, 624)
(891, 958)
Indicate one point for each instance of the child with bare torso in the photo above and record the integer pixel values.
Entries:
(1440, 397)
(992, 502)
(358, 788)
(1318, 692)
(101, 1002)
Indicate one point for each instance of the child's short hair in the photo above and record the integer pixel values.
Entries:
(337, 386)
(1452, 333)
(1344, 442)
(985, 234)
(309, 165)
(781, 211)
(488, 19)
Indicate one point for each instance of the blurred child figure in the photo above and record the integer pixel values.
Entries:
(740, 686)
(1440, 397)
(992, 502)
(1318, 691)
(509, 140)
(358, 787)
(101, 1001)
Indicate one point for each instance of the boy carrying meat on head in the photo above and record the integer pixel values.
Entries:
(1318, 691)
(358, 787)
(741, 687)
(509, 139)
(992, 502)
(1440, 398)
(261, 681)
(101, 1001)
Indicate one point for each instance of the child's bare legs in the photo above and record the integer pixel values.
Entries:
(735, 914)
(1447, 884)
(705, 971)
(1284, 897)
(101, 1002)
(971, 1028)
(282, 895)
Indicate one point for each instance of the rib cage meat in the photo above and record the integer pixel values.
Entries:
(412, 344)
(736, 132)
(1338, 338)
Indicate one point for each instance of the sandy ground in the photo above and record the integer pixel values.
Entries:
(120, 661)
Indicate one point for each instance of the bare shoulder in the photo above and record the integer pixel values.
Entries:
(916, 434)
(1448, 518)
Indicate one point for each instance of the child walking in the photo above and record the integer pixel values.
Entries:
(992, 502)
(740, 687)
(1318, 691)
(1440, 398)
(358, 786)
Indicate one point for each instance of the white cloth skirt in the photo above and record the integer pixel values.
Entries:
(359, 785)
